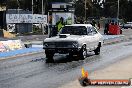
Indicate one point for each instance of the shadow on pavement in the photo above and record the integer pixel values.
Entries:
(66, 58)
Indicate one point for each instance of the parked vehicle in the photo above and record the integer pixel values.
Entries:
(76, 39)
(127, 25)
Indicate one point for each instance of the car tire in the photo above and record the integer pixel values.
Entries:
(49, 56)
(83, 53)
(49, 59)
(70, 55)
(97, 50)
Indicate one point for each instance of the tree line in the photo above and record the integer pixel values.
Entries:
(94, 8)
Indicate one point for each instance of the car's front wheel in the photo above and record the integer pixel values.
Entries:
(97, 50)
(83, 53)
(49, 56)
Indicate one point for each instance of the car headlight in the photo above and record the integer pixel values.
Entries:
(74, 44)
(45, 44)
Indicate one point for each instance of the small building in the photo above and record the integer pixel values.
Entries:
(64, 10)
(20, 27)
(61, 5)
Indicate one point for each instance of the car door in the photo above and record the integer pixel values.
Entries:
(95, 37)
(85, 38)
(89, 39)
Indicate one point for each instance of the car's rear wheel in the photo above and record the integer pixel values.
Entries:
(83, 53)
(49, 56)
(97, 50)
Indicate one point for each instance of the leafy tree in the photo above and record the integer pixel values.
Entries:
(12, 4)
(79, 8)
(110, 9)
(2, 2)
(26, 4)
(128, 15)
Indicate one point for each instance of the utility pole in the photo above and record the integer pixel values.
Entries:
(42, 7)
(32, 14)
(118, 11)
(18, 28)
(43, 14)
(32, 7)
(85, 11)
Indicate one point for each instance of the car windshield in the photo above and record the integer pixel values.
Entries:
(74, 30)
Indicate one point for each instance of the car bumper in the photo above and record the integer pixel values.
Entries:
(63, 50)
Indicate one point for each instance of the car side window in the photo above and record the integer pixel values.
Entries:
(94, 31)
(89, 29)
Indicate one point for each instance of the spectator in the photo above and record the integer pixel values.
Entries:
(60, 24)
(54, 31)
(81, 21)
(46, 29)
(98, 25)
(93, 23)
(106, 28)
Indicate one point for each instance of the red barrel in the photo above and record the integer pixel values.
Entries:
(114, 29)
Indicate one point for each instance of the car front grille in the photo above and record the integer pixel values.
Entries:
(60, 44)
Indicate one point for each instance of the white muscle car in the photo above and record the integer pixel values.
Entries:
(75, 39)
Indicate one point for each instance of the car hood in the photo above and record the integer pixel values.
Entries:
(64, 38)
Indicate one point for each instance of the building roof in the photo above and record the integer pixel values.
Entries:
(86, 25)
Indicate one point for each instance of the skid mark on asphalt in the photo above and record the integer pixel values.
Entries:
(68, 66)
(39, 59)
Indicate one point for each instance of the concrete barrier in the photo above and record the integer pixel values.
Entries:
(6, 34)
(11, 45)
(2, 47)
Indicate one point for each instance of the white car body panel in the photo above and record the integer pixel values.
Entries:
(91, 40)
